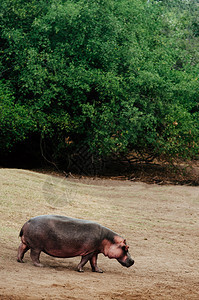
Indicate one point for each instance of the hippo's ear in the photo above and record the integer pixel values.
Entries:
(123, 242)
(125, 247)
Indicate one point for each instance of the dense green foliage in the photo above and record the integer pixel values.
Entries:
(119, 75)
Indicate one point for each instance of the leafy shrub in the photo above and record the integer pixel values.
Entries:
(117, 75)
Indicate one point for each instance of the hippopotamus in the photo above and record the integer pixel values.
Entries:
(65, 237)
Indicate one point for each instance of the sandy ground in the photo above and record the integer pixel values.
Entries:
(160, 223)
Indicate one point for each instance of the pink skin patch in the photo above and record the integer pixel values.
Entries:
(115, 250)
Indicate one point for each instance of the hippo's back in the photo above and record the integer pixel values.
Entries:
(63, 224)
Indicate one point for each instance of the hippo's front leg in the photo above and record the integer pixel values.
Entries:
(83, 261)
(93, 262)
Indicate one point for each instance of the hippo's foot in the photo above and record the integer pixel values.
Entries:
(20, 260)
(36, 264)
(81, 270)
(97, 270)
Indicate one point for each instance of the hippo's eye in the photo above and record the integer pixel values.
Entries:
(124, 248)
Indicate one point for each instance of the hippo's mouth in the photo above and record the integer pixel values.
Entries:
(127, 263)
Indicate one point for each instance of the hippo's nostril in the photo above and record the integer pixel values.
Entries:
(129, 263)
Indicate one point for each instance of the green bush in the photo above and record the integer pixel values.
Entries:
(117, 75)
(15, 121)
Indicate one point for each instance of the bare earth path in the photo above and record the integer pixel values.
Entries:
(160, 223)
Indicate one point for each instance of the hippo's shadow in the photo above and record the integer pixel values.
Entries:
(60, 264)
(70, 264)
(66, 267)
(60, 268)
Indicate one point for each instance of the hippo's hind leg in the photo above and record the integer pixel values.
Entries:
(23, 248)
(93, 262)
(83, 261)
(34, 254)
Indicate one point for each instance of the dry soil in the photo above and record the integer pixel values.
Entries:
(160, 223)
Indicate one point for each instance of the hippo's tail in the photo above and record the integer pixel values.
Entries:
(21, 232)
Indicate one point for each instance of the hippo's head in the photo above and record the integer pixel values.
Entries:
(119, 251)
(125, 258)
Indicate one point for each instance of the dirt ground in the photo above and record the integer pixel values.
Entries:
(160, 223)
